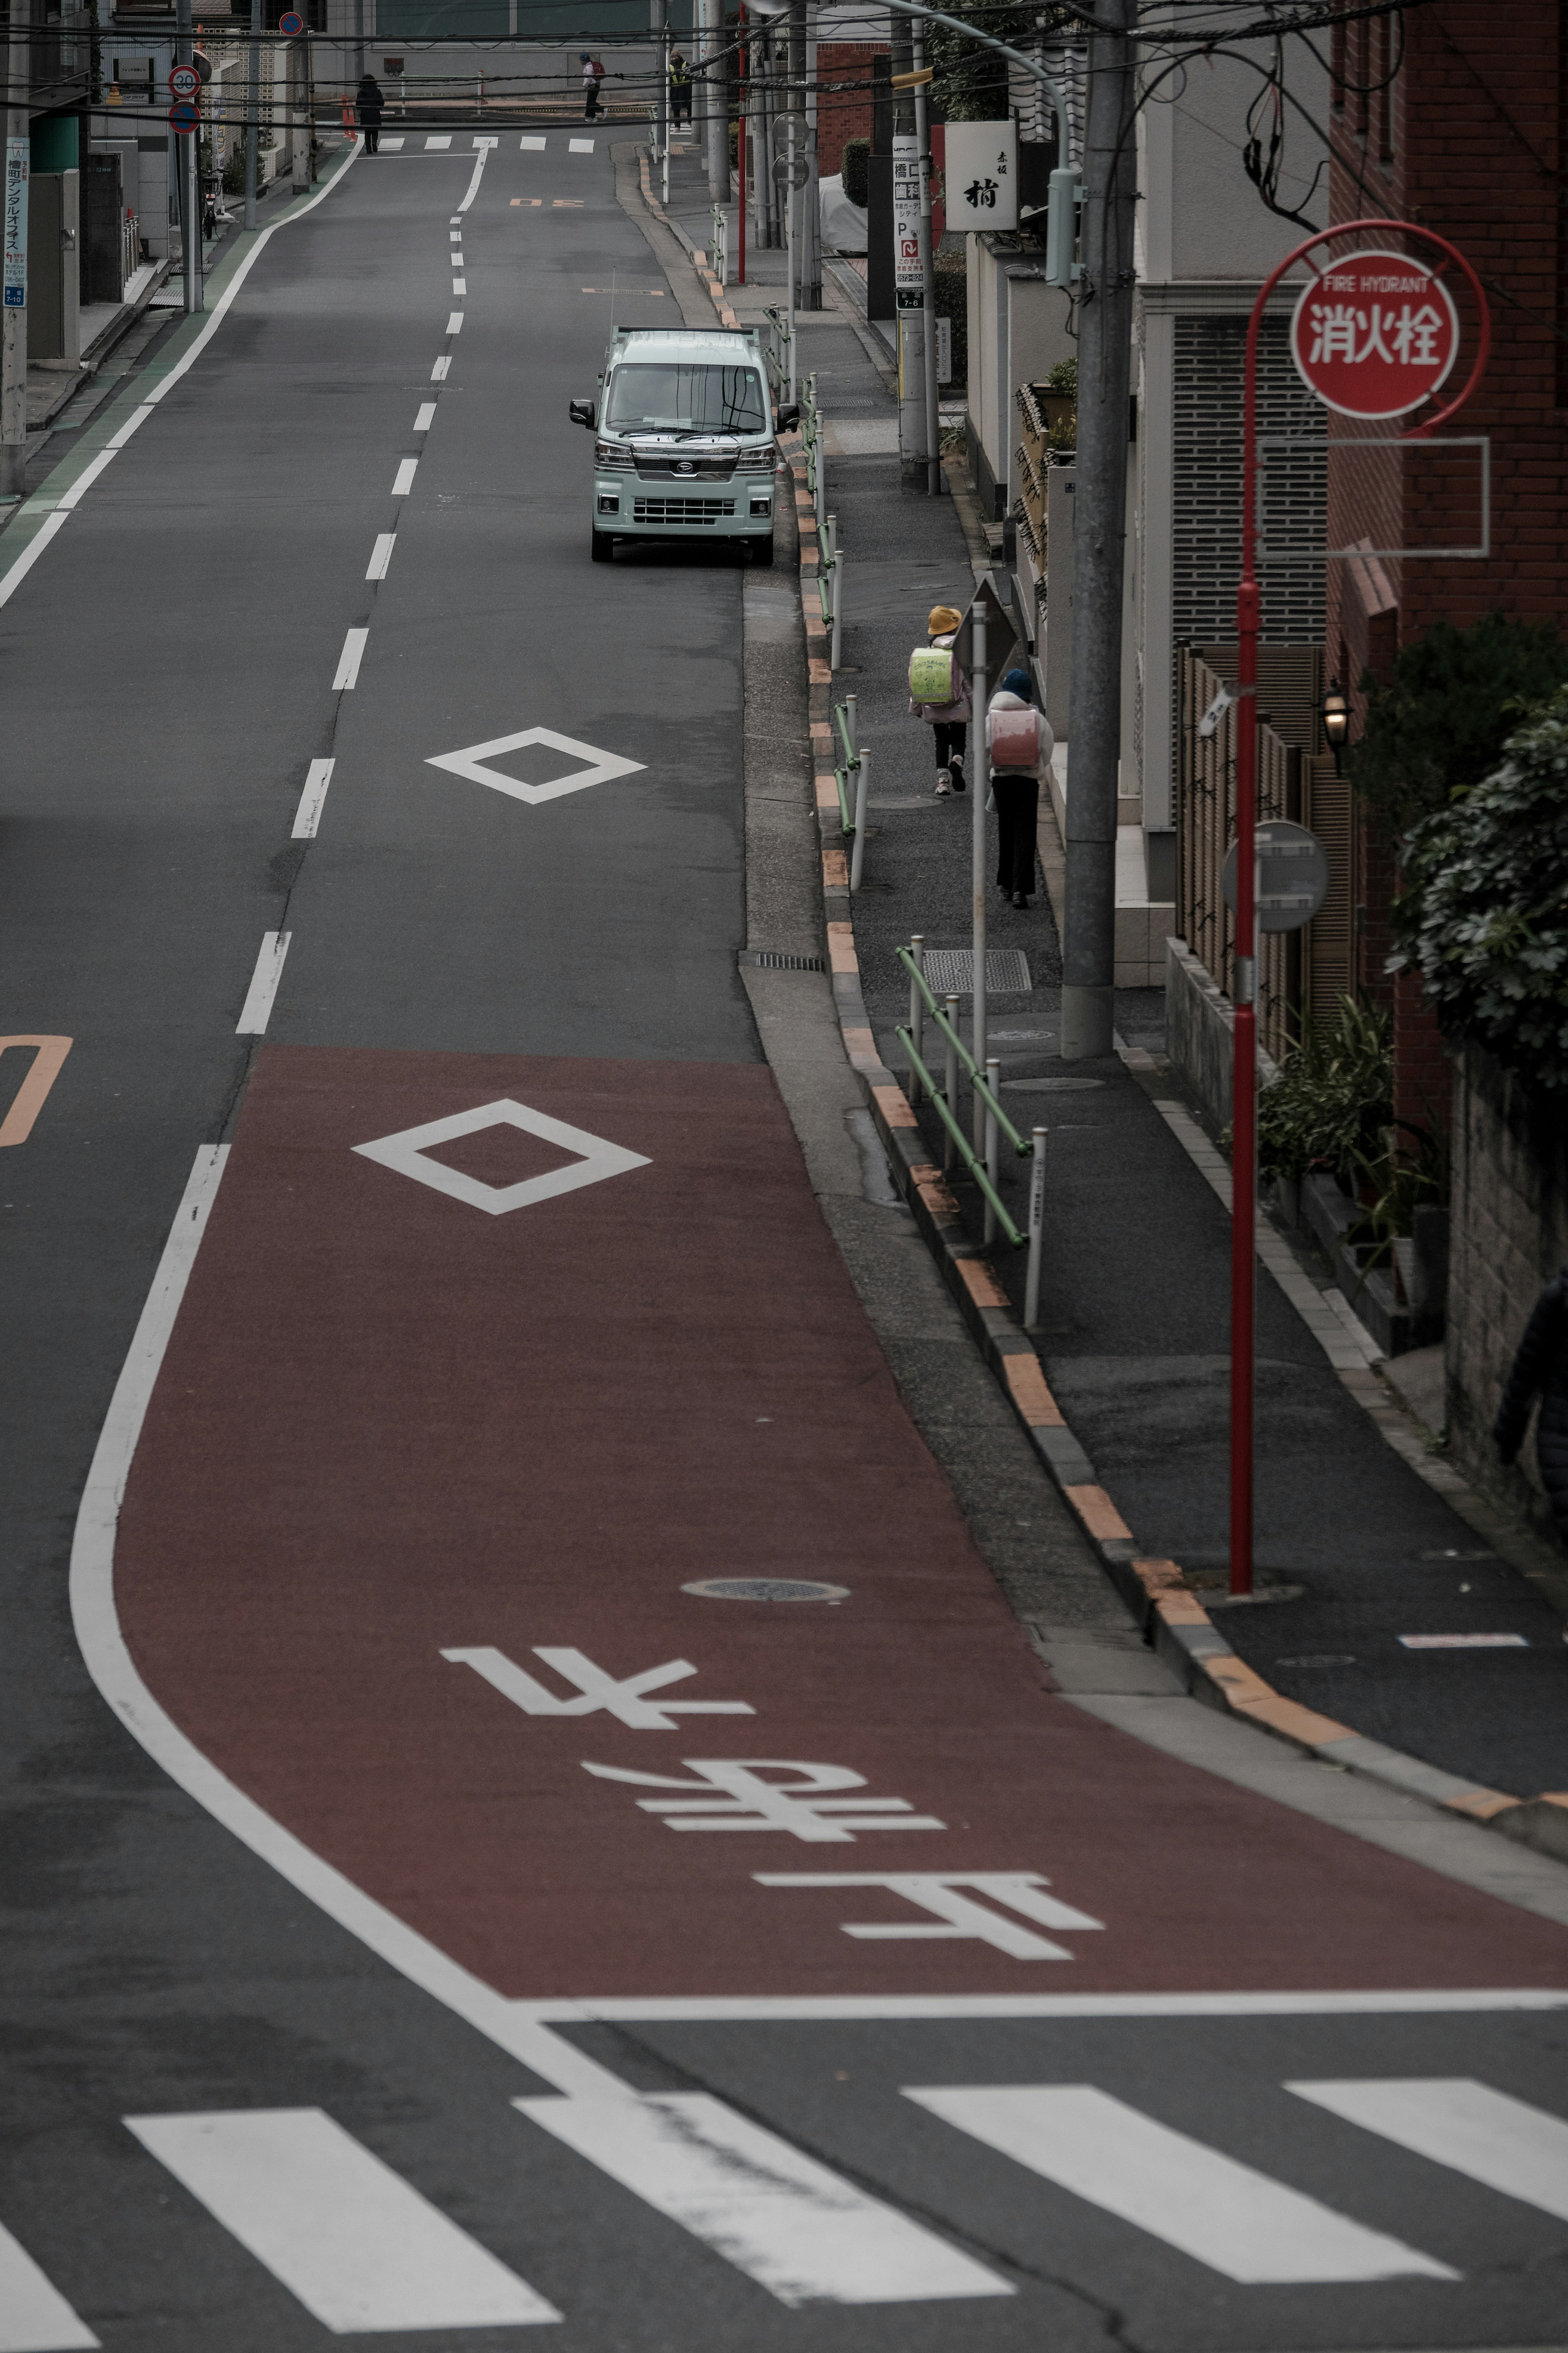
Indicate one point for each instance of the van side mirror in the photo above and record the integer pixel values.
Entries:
(789, 417)
(581, 412)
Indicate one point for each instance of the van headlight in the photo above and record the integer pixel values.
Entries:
(611, 454)
(755, 461)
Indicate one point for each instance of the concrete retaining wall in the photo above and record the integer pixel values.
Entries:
(1200, 1033)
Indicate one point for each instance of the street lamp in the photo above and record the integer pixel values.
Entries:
(1336, 712)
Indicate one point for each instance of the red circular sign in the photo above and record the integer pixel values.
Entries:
(184, 81)
(183, 116)
(1375, 334)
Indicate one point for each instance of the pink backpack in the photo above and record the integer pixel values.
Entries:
(1016, 739)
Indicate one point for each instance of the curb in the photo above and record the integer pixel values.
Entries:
(699, 258)
(1171, 1620)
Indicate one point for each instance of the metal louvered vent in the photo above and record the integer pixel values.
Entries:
(773, 960)
(1209, 357)
(949, 972)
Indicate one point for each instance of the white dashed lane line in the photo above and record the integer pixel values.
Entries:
(381, 555)
(350, 660)
(403, 481)
(454, 324)
(256, 1010)
(440, 372)
(308, 815)
(426, 417)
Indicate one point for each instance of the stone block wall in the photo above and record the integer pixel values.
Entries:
(1509, 1235)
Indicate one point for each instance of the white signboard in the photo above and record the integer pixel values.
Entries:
(909, 280)
(15, 268)
(980, 175)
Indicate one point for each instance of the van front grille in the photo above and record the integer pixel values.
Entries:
(681, 510)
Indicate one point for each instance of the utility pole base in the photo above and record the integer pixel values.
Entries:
(13, 469)
(1088, 1022)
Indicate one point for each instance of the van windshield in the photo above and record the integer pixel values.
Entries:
(671, 396)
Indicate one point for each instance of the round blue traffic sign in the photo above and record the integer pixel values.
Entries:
(291, 23)
(184, 117)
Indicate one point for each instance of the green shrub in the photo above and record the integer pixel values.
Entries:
(1439, 720)
(1062, 378)
(1333, 1098)
(1484, 910)
(856, 170)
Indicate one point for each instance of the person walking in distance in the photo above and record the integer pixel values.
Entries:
(947, 721)
(369, 105)
(1020, 743)
(1540, 1369)
(592, 75)
(679, 90)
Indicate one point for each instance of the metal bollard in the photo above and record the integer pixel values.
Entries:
(858, 855)
(917, 1010)
(950, 1080)
(1036, 1228)
(993, 1142)
(838, 603)
(849, 701)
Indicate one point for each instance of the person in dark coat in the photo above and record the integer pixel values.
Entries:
(1017, 791)
(1541, 1367)
(370, 105)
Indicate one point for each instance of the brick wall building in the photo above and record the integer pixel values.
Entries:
(843, 98)
(1451, 115)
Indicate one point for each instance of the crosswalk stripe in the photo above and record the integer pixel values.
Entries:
(357, 2244)
(34, 2315)
(442, 139)
(788, 2223)
(1220, 2212)
(1502, 2142)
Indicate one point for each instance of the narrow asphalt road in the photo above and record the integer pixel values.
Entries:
(465, 1556)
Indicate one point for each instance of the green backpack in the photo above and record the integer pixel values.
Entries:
(930, 674)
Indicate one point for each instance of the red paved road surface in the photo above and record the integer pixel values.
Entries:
(390, 1424)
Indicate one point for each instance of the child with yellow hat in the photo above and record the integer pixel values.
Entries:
(947, 721)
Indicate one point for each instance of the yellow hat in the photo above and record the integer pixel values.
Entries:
(941, 619)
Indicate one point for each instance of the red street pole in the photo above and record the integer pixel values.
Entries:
(1244, 993)
(741, 149)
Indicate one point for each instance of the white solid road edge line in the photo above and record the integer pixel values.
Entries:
(308, 815)
(256, 1010)
(350, 660)
(12, 579)
(108, 1663)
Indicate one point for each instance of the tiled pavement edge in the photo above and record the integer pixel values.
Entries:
(1173, 1620)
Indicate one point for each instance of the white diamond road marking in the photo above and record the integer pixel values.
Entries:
(603, 766)
(405, 1153)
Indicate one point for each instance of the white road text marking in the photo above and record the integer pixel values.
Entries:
(735, 1797)
(941, 1895)
(595, 1690)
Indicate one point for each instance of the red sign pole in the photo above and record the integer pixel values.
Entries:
(741, 154)
(1249, 625)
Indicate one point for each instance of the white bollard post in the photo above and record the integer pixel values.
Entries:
(858, 856)
(917, 1010)
(950, 1079)
(993, 1143)
(1037, 1228)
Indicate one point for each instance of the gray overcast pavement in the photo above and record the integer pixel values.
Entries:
(155, 1964)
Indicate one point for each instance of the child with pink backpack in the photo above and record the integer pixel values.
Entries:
(1020, 743)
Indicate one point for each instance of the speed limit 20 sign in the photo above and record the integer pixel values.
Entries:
(1375, 335)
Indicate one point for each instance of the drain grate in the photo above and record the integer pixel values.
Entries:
(771, 960)
(949, 972)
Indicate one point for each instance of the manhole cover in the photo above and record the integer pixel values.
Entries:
(1048, 1086)
(949, 972)
(765, 1589)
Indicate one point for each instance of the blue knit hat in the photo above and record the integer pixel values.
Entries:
(1018, 682)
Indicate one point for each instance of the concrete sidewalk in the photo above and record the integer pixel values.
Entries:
(1356, 1548)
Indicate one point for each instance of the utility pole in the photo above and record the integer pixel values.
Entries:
(928, 263)
(1104, 383)
(908, 284)
(188, 147)
(716, 112)
(359, 36)
(811, 194)
(14, 334)
(253, 112)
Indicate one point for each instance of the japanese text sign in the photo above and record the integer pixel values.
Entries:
(15, 268)
(980, 175)
(1375, 334)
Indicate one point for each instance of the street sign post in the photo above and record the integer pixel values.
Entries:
(1290, 873)
(1361, 351)
(184, 81)
(183, 117)
(291, 22)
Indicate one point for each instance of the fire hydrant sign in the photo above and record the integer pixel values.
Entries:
(1375, 335)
